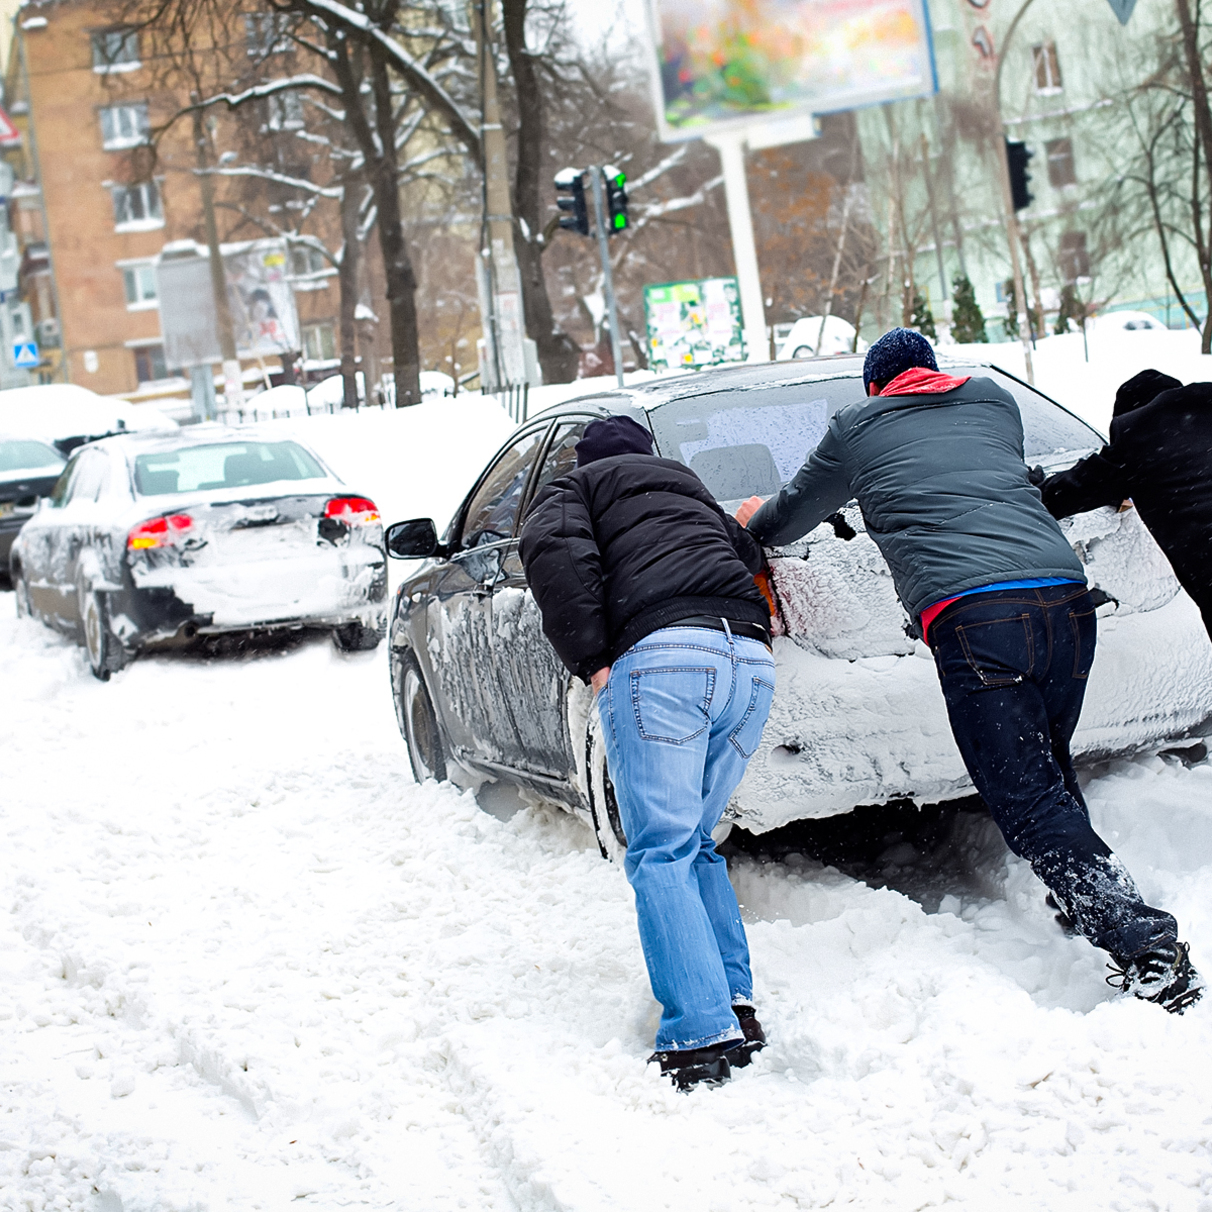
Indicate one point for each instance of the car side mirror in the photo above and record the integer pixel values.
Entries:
(416, 539)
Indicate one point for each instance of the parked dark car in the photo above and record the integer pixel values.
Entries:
(858, 717)
(28, 470)
(154, 539)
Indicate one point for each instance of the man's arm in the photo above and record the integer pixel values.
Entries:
(1097, 480)
(564, 570)
(819, 488)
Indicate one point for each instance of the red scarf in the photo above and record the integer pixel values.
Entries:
(918, 381)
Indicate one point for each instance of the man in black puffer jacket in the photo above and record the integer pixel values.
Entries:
(1159, 457)
(646, 590)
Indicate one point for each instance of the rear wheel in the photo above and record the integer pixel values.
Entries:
(357, 637)
(419, 723)
(105, 653)
(607, 824)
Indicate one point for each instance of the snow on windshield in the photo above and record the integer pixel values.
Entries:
(754, 440)
(223, 465)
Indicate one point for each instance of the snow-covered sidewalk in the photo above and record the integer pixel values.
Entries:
(246, 963)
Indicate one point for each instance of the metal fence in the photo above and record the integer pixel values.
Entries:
(515, 399)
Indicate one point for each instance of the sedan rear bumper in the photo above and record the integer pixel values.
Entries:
(845, 733)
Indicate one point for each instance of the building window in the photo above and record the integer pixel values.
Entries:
(123, 126)
(116, 50)
(267, 33)
(1047, 68)
(285, 111)
(137, 204)
(149, 364)
(306, 259)
(1074, 257)
(319, 343)
(1060, 162)
(139, 282)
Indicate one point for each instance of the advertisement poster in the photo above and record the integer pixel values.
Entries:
(262, 301)
(729, 63)
(693, 324)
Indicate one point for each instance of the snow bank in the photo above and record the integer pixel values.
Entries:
(1087, 386)
(248, 964)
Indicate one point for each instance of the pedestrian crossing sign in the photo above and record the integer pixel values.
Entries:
(25, 354)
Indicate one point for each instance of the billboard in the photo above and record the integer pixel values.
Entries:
(259, 294)
(739, 63)
(693, 324)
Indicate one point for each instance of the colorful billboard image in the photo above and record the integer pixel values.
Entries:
(693, 324)
(728, 63)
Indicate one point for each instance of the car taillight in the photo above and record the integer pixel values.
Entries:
(159, 532)
(354, 511)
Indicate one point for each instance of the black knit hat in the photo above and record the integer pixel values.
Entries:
(895, 352)
(612, 436)
(1141, 389)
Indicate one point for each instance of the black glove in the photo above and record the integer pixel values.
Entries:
(1037, 476)
(841, 527)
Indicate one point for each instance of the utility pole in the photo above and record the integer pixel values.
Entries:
(731, 146)
(498, 278)
(1013, 234)
(612, 312)
(233, 383)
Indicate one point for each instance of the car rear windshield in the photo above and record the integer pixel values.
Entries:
(222, 465)
(754, 440)
(21, 454)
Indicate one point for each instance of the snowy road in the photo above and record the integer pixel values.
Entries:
(246, 963)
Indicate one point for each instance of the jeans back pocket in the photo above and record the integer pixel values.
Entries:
(1085, 631)
(671, 704)
(1001, 652)
(747, 735)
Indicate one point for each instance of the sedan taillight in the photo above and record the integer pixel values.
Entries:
(353, 511)
(159, 532)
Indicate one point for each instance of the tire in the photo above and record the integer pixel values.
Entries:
(104, 650)
(419, 723)
(357, 637)
(25, 608)
(607, 824)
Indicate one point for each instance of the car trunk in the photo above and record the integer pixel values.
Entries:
(255, 562)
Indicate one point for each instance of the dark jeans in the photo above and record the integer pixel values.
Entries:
(1013, 666)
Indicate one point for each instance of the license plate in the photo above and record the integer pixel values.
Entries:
(6, 507)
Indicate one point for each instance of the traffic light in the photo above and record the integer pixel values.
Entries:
(616, 199)
(571, 181)
(1017, 155)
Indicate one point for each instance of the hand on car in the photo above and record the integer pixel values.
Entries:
(598, 680)
(746, 509)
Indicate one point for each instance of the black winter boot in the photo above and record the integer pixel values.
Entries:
(690, 1067)
(1162, 974)
(755, 1037)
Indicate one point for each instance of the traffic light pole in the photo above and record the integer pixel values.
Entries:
(612, 313)
(1013, 235)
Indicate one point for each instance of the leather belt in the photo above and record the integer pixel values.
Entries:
(751, 631)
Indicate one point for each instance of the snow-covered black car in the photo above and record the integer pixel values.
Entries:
(858, 717)
(159, 538)
(28, 470)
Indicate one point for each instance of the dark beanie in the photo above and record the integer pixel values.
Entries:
(612, 436)
(1141, 389)
(895, 352)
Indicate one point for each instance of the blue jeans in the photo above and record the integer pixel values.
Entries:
(1013, 666)
(682, 714)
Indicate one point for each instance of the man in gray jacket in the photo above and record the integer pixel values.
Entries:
(936, 465)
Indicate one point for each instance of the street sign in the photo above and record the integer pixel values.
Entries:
(692, 324)
(25, 354)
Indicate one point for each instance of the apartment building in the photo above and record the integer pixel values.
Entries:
(93, 208)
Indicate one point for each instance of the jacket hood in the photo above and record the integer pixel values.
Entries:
(1142, 389)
